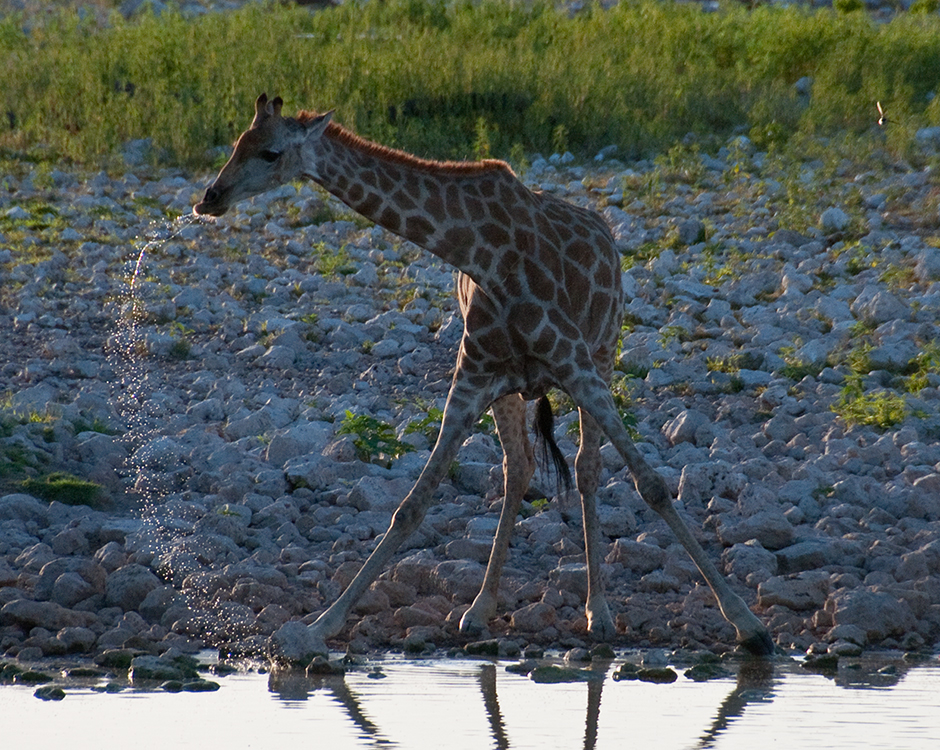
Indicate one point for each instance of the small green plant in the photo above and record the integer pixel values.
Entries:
(536, 506)
(899, 277)
(181, 348)
(429, 425)
(859, 358)
(487, 425)
(723, 364)
(334, 262)
(375, 440)
(673, 333)
(924, 364)
(682, 163)
(63, 488)
(797, 368)
(880, 408)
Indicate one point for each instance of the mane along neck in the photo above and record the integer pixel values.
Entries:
(348, 139)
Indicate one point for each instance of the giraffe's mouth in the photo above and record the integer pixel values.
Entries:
(212, 203)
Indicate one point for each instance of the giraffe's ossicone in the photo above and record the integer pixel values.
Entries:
(542, 302)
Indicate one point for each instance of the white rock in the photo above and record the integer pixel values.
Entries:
(700, 482)
(770, 527)
(876, 305)
(834, 220)
(688, 426)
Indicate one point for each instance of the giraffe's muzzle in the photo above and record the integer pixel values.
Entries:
(211, 204)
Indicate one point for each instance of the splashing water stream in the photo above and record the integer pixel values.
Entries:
(137, 380)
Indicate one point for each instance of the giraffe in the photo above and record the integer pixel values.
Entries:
(540, 293)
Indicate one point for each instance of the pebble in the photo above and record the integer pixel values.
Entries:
(236, 508)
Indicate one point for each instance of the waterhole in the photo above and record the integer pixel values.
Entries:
(467, 704)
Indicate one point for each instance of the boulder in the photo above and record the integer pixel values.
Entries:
(805, 592)
(128, 586)
(879, 614)
(771, 528)
(533, 618)
(700, 482)
(639, 557)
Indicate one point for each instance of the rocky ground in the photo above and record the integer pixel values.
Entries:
(780, 363)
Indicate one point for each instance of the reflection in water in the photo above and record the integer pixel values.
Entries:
(755, 683)
(461, 704)
(755, 680)
(491, 703)
(294, 685)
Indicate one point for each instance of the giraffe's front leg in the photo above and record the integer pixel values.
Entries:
(464, 405)
(518, 467)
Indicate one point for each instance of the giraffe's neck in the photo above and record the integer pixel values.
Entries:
(458, 211)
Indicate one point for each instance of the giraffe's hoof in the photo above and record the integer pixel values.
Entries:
(470, 625)
(602, 629)
(295, 644)
(758, 644)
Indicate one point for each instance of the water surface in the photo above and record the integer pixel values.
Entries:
(467, 704)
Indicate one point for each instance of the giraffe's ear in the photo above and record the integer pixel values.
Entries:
(317, 125)
(265, 108)
(261, 109)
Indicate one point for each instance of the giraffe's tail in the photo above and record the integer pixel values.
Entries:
(550, 453)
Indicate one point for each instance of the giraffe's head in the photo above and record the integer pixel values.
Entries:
(270, 153)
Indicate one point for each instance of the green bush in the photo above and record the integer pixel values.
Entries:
(64, 488)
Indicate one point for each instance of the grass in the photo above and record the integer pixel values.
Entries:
(465, 79)
(63, 488)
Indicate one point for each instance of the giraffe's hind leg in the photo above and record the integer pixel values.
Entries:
(592, 394)
(587, 469)
(518, 468)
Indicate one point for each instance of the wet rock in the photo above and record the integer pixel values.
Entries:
(321, 666)
(147, 668)
(50, 693)
(658, 675)
(484, 648)
(552, 674)
(293, 643)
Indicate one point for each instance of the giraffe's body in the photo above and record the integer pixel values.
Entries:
(542, 302)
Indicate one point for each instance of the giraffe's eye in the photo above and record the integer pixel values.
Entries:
(270, 156)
